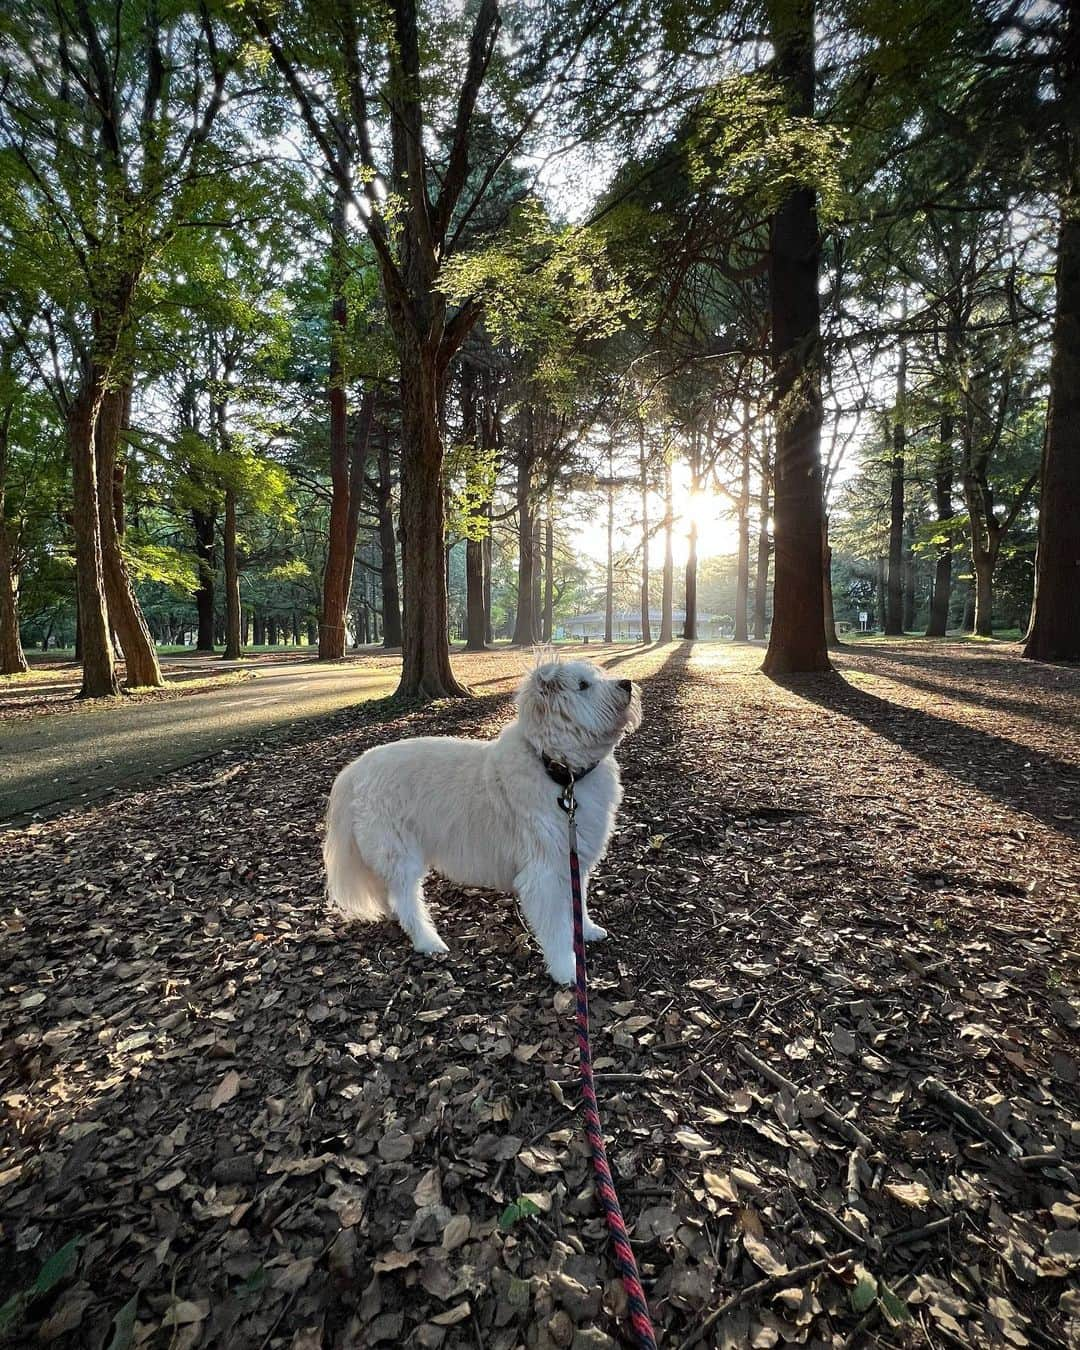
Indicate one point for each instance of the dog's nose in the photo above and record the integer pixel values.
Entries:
(627, 686)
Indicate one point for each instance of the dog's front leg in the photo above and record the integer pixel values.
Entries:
(592, 932)
(544, 893)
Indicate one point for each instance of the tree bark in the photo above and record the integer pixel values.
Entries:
(797, 641)
(832, 637)
(549, 575)
(909, 574)
(894, 619)
(761, 575)
(742, 579)
(332, 638)
(1054, 630)
(943, 485)
(882, 593)
(667, 595)
(388, 573)
(12, 657)
(524, 618)
(94, 636)
(643, 467)
(489, 633)
(690, 624)
(983, 562)
(140, 657)
(426, 671)
(233, 633)
(609, 588)
(358, 456)
(474, 596)
(205, 523)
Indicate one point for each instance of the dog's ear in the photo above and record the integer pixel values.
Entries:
(547, 677)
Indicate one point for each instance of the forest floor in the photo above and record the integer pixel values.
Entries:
(835, 1029)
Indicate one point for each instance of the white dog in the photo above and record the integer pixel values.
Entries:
(486, 813)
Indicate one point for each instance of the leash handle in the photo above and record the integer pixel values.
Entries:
(605, 1186)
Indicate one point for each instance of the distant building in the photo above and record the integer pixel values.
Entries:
(626, 625)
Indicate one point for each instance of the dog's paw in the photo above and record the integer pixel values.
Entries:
(563, 970)
(430, 944)
(592, 932)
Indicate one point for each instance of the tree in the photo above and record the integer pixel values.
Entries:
(1054, 632)
(797, 641)
(112, 189)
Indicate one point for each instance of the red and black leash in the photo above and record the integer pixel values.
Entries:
(624, 1256)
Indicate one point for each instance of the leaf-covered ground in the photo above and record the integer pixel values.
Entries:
(836, 1029)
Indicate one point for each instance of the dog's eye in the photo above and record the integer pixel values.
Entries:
(584, 684)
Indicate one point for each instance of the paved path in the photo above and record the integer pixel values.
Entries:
(75, 755)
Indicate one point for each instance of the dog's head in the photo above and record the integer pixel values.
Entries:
(573, 713)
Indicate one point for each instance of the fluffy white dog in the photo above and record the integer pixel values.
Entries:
(486, 813)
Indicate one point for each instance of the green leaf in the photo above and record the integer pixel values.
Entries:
(894, 1307)
(255, 1282)
(124, 1325)
(58, 1267)
(865, 1290)
(514, 1212)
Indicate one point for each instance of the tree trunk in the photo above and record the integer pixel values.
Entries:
(357, 478)
(882, 593)
(909, 574)
(742, 579)
(425, 671)
(643, 467)
(129, 625)
(609, 589)
(549, 575)
(761, 575)
(233, 633)
(474, 596)
(667, 596)
(489, 633)
(524, 619)
(943, 483)
(205, 523)
(983, 562)
(332, 622)
(832, 638)
(94, 635)
(388, 573)
(797, 642)
(1054, 631)
(690, 624)
(12, 656)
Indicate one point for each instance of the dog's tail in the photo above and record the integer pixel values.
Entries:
(350, 884)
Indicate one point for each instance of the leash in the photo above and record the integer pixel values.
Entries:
(620, 1241)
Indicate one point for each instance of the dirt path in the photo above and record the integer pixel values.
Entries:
(263, 1129)
(66, 751)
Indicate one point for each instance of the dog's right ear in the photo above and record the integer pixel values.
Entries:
(547, 678)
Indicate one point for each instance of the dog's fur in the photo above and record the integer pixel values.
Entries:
(485, 813)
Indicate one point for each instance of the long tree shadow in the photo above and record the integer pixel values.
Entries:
(1025, 779)
(1019, 686)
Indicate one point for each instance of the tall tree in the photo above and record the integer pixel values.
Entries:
(797, 641)
(1054, 632)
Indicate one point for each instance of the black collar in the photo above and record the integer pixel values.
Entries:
(562, 773)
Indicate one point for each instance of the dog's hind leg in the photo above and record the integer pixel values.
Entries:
(406, 900)
(544, 894)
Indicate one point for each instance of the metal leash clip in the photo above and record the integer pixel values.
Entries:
(566, 798)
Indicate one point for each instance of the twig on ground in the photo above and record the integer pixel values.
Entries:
(832, 1118)
(936, 1090)
(766, 1286)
